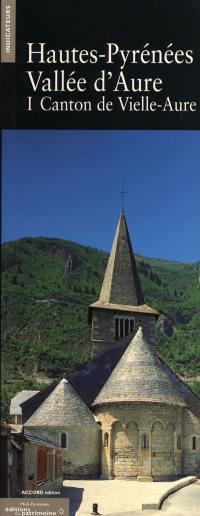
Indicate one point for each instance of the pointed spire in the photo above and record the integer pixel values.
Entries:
(121, 284)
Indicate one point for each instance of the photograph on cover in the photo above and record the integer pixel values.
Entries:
(101, 320)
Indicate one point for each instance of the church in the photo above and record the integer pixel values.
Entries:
(123, 414)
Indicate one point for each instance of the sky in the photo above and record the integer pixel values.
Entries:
(67, 184)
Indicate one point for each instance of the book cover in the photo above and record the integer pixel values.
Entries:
(100, 346)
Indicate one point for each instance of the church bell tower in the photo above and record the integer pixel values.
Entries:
(120, 309)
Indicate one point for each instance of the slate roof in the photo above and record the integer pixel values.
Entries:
(140, 375)
(31, 405)
(62, 407)
(144, 309)
(40, 440)
(20, 397)
(87, 380)
(90, 377)
(121, 284)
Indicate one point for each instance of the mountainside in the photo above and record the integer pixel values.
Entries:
(47, 285)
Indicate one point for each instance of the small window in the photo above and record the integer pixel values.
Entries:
(145, 441)
(179, 442)
(64, 440)
(194, 443)
(105, 440)
(131, 325)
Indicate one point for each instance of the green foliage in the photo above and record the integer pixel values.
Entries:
(45, 327)
(195, 388)
(10, 388)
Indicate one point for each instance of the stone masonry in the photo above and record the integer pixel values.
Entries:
(126, 426)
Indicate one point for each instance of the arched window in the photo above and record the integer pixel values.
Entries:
(145, 441)
(179, 442)
(194, 443)
(64, 440)
(105, 441)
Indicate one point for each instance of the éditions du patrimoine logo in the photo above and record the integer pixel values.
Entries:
(34, 506)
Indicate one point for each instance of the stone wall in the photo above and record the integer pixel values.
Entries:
(125, 450)
(191, 456)
(103, 327)
(162, 449)
(82, 457)
(142, 440)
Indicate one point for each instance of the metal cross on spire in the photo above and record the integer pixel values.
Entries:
(122, 193)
